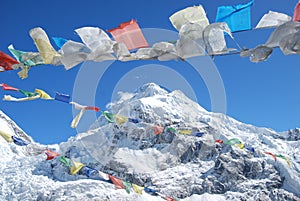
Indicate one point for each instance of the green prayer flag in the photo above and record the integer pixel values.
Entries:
(65, 161)
(233, 141)
(127, 186)
(28, 94)
(109, 116)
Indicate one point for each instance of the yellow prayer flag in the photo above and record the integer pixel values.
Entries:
(76, 167)
(120, 119)
(185, 132)
(43, 94)
(7, 137)
(241, 145)
(43, 44)
(138, 189)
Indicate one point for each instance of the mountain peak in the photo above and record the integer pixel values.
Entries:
(150, 89)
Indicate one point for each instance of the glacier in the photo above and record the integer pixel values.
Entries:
(183, 166)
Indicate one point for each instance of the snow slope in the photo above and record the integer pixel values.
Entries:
(183, 166)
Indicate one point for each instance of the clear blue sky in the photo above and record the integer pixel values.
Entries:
(264, 94)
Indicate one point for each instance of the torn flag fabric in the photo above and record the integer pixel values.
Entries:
(130, 34)
(272, 19)
(194, 14)
(43, 45)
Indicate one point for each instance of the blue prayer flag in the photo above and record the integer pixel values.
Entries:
(198, 134)
(251, 149)
(89, 171)
(19, 141)
(59, 41)
(150, 191)
(133, 120)
(238, 17)
(62, 97)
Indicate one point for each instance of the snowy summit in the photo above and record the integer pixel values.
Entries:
(162, 142)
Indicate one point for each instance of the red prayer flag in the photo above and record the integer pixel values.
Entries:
(130, 34)
(297, 13)
(219, 141)
(51, 154)
(169, 199)
(7, 87)
(6, 62)
(269, 153)
(158, 129)
(117, 182)
(92, 108)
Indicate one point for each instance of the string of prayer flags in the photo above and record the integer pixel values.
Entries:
(77, 166)
(130, 34)
(51, 154)
(194, 14)
(7, 62)
(283, 157)
(237, 17)
(271, 154)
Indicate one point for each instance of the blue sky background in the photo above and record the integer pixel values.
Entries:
(264, 94)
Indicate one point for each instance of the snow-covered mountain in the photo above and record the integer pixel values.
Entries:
(185, 166)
